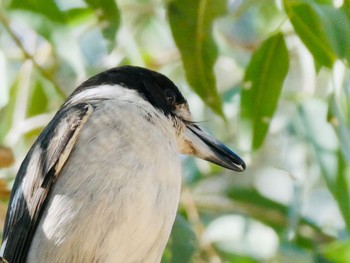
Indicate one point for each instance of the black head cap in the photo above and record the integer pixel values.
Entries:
(156, 88)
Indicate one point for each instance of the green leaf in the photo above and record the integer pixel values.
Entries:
(338, 251)
(38, 101)
(191, 26)
(108, 16)
(263, 82)
(307, 24)
(76, 16)
(340, 186)
(6, 113)
(236, 258)
(182, 243)
(336, 25)
(341, 190)
(276, 215)
(338, 120)
(47, 8)
(346, 8)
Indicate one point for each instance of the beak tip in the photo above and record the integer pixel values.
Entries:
(238, 165)
(213, 150)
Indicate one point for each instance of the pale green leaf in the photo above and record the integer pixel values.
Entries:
(336, 25)
(38, 100)
(338, 251)
(307, 24)
(340, 125)
(6, 113)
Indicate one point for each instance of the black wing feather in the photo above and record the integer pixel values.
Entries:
(35, 178)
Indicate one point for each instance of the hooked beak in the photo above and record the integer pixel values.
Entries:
(206, 147)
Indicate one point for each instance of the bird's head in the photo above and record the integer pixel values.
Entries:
(157, 90)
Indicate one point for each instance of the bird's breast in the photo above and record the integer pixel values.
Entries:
(117, 195)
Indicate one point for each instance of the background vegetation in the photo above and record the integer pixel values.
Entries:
(269, 77)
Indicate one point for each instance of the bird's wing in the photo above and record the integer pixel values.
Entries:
(35, 178)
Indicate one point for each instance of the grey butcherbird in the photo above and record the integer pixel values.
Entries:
(102, 181)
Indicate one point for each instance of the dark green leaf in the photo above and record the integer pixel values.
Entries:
(47, 8)
(191, 26)
(309, 28)
(276, 215)
(182, 243)
(108, 17)
(263, 82)
(253, 197)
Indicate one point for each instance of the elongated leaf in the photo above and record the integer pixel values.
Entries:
(191, 26)
(108, 16)
(342, 191)
(263, 83)
(308, 26)
(276, 215)
(336, 25)
(341, 128)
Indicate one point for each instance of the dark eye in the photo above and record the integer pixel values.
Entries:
(170, 96)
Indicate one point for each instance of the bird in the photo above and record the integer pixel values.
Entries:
(102, 181)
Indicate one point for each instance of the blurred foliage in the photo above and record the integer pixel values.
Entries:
(275, 74)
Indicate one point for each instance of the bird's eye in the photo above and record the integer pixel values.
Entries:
(170, 96)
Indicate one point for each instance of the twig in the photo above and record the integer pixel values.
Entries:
(193, 216)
